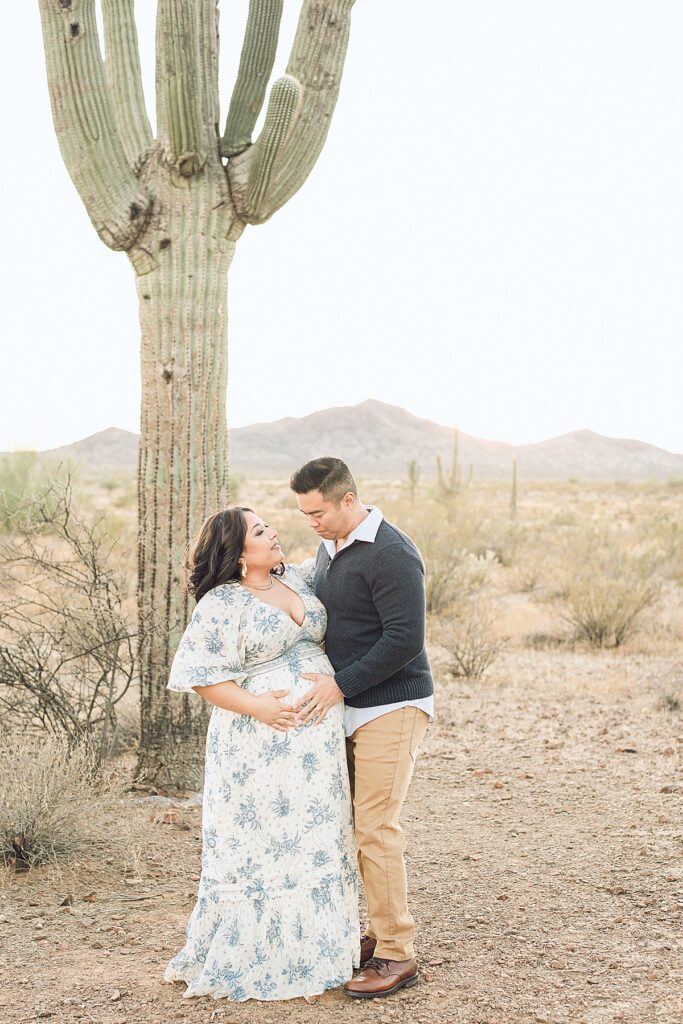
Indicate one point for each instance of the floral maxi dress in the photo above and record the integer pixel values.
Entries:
(277, 910)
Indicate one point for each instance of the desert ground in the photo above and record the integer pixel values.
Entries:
(544, 823)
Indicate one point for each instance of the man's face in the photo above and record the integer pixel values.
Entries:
(327, 518)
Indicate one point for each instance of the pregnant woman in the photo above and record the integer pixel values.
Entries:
(277, 910)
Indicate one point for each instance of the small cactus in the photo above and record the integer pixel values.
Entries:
(413, 479)
(449, 483)
(513, 492)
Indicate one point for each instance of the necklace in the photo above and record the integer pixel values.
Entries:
(252, 587)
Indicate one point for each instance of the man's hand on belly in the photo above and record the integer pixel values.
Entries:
(315, 704)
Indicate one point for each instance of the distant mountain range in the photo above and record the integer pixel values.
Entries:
(379, 440)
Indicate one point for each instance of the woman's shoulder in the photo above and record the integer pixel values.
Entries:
(225, 597)
(300, 575)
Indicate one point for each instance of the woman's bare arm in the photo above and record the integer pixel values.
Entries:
(266, 707)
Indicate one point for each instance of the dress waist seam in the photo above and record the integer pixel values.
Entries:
(303, 649)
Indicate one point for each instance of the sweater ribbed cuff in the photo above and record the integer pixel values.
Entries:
(348, 681)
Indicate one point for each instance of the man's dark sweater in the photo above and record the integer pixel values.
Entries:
(375, 599)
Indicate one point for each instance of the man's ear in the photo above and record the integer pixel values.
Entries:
(349, 499)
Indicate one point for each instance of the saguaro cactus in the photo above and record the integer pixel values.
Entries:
(413, 479)
(513, 491)
(176, 205)
(449, 483)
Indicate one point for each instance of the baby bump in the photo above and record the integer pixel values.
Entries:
(285, 673)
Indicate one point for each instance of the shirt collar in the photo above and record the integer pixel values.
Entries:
(366, 531)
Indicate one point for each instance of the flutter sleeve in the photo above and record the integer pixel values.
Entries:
(306, 570)
(209, 651)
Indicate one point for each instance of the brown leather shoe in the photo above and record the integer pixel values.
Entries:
(367, 949)
(382, 978)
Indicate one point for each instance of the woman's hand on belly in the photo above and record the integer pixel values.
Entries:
(269, 709)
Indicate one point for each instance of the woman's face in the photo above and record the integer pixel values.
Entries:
(261, 549)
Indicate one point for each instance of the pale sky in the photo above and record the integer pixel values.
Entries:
(492, 237)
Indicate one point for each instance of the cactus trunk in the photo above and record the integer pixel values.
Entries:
(177, 211)
(183, 464)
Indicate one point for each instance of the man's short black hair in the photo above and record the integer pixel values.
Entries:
(330, 476)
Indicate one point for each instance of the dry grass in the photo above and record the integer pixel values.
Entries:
(50, 799)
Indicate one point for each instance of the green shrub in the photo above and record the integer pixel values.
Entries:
(608, 584)
(17, 471)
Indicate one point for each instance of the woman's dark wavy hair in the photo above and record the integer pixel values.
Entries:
(215, 554)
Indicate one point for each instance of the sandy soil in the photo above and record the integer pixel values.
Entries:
(545, 833)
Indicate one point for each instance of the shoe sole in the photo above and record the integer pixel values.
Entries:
(408, 983)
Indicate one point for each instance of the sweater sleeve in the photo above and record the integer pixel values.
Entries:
(396, 580)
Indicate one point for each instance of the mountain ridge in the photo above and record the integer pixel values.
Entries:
(379, 439)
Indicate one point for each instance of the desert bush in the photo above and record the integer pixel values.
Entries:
(234, 488)
(670, 700)
(469, 640)
(666, 532)
(125, 735)
(608, 584)
(544, 641)
(526, 575)
(448, 549)
(19, 473)
(67, 653)
(295, 536)
(529, 560)
(51, 800)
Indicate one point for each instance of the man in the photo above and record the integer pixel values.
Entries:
(370, 577)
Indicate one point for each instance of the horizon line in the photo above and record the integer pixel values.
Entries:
(259, 423)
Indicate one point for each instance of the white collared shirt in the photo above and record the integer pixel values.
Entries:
(366, 530)
(354, 718)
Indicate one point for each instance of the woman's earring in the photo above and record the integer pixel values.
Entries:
(244, 569)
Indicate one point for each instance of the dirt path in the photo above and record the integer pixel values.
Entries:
(546, 867)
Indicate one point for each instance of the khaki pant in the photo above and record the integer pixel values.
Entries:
(381, 756)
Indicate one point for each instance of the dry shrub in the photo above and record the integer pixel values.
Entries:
(52, 801)
(608, 584)
(297, 539)
(669, 690)
(20, 473)
(523, 551)
(544, 641)
(666, 531)
(125, 735)
(469, 640)
(670, 700)
(527, 574)
(455, 562)
(67, 640)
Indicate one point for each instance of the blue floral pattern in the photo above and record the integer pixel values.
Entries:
(277, 911)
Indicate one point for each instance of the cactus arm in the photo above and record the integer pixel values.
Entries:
(84, 123)
(256, 63)
(207, 38)
(315, 64)
(455, 471)
(179, 87)
(122, 67)
(283, 106)
(440, 479)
